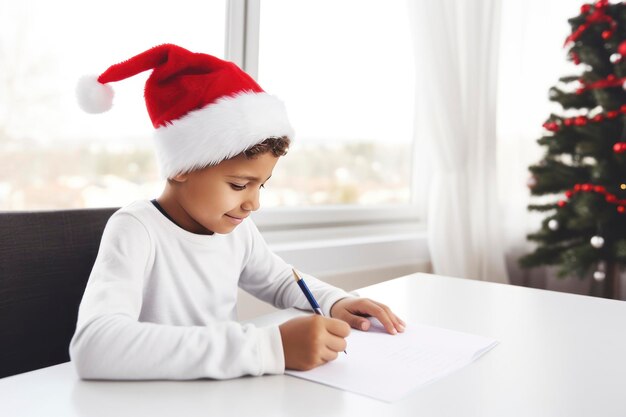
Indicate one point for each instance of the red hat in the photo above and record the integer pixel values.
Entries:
(204, 109)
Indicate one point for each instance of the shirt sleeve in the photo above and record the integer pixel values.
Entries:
(269, 278)
(111, 343)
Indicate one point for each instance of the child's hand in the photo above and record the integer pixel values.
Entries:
(312, 341)
(354, 310)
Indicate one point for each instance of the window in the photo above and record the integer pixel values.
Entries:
(53, 155)
(348, 89)
(345, 70)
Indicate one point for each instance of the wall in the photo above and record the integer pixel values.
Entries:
(250, 307)
(350, 258)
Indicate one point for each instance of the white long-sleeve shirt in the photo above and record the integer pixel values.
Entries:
(160, 302)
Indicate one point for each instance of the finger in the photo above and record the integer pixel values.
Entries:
(383, 316)
(363, 323)
(336, 344)
(337, 327)
(397, 323)
(400, 325)
(356, 322)
(329, 355)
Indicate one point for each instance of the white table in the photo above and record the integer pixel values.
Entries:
(560, 355)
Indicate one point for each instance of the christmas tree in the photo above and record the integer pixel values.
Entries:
(582, 176)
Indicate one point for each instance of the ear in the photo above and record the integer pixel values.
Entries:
(179, 178)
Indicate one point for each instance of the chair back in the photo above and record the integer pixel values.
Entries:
(45, 261)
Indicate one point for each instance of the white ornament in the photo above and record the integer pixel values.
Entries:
(624, 85)
(599, 276)
(553, 224)
(597, 242)
(615, 58)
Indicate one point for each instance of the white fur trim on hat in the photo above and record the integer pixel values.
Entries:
(93, 96)
(219, 131)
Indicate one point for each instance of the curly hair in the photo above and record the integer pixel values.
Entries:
(278, 146)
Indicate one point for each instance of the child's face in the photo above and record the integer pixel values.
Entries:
(218, 198)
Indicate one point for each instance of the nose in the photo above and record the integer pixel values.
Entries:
(251, 203)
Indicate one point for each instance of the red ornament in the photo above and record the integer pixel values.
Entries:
(619, 147)
(577, 187)
(612, 114)
(623, 108)
(585, 8)
(621, 49)
(606, 34)
(610, 198)
(568, 122)
(621, 209)
(569, 194)
(580, 121)
(598, 118)
(551, 126)
(561, 203)
(585, 187)
(599, 189)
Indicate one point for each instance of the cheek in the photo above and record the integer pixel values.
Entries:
(218, 199)
(199, 200)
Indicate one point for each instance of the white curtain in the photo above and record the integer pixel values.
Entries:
(456, 48)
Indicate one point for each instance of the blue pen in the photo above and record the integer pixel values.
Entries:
(309, 296)
(307, 293)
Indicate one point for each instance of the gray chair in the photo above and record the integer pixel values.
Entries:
(45, 260)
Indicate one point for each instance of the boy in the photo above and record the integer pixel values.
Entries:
(160, 302)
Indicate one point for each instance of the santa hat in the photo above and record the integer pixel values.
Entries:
(204, 109)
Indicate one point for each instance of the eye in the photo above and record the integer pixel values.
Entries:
(237, 187)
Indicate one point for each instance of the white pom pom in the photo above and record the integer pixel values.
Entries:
(93, 96)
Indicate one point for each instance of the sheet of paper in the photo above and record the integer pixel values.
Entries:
(387, 367)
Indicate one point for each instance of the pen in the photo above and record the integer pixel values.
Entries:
(309, 296)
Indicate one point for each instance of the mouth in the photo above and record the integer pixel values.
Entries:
(233, 219)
